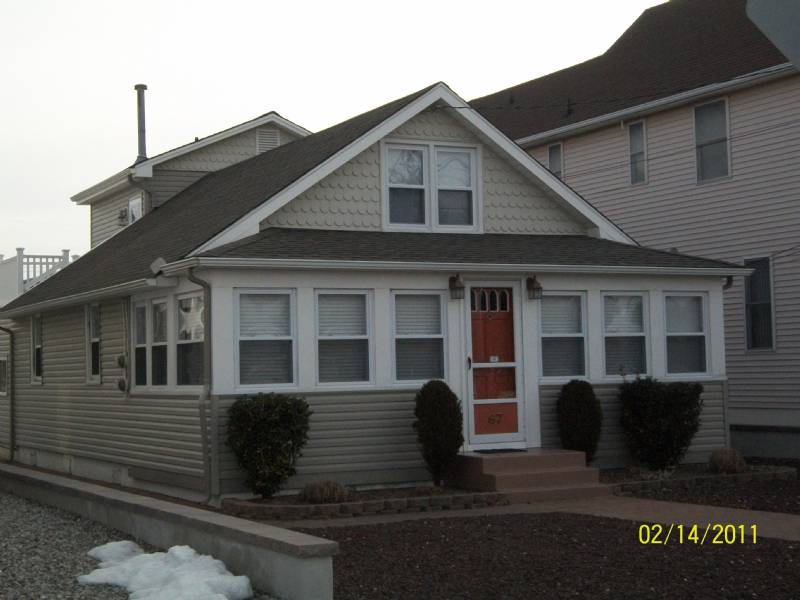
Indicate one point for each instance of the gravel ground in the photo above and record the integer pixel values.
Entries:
(548, 557)
(43, 550)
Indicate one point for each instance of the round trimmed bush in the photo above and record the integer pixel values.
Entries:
(659, 420)
(324, 492)
(580, 417)
(439, 427)
(267, 433)
(727, 460)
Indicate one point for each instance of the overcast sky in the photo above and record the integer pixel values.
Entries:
(68, 69)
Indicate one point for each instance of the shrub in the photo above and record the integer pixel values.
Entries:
(727, 460)
(439, 427)
(659, 420)
(579, 417)
(324, 492)
(267, 433)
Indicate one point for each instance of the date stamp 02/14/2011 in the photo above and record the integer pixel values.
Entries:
(718, 534)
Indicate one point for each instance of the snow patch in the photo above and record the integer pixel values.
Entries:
(178, 574)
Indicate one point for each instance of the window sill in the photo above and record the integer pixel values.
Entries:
(719, 179)
(188, 390)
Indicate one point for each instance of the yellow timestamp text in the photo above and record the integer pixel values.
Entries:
(697, 534)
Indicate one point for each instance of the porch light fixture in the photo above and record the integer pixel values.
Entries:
(456, 285)
(534, 288)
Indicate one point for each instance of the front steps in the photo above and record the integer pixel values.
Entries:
(535, 475)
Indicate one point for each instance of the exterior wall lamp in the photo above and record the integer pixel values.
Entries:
(456, 285)
(534, 288)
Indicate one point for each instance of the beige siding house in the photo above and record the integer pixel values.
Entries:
(708, 164)
(349, 267)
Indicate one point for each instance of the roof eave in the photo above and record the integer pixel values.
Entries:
(110, 185)
(640, 110)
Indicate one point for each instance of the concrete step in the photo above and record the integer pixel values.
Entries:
(547, 494)
(543, 478)
(518, 462)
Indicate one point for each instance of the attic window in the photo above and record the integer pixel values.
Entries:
(267, 139)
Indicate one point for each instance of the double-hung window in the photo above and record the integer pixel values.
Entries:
(758, 304)
(93, 343)
(711, 140)
(4, 375)
(266, 338)
(563, 335)
(150, 343)
(555, 160)
(36, 348)
(637, 148)
(686, 333)
(418, 337)
(624, 317)
(190, 339)
(135, 209)
(431, 186)
(343, 337)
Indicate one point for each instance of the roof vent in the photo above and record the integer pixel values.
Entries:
(267, 138)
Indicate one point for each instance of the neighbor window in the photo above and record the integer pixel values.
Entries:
(638, 152)
(4, 375)
(135, 209)
(150, 343)
(758, 304)
(555, 160)
(686, 334)
(36, 348)
(266, 343)
(93, 343)
(190, 339)
(563, 336)
(343, 338)
(442, 198)
(418, 337)
(624, 331)
(711, 140)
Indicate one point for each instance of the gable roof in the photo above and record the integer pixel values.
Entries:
(145, 167)
(671, 48)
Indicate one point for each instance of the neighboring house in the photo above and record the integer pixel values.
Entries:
(686, 132)
(21, 272)
(349, 266)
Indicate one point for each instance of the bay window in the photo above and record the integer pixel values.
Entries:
(624, 317)
(140, 344)
(418, 337)
(190, 339)
(563, 335)
(158, 343)
(93, 343)
(150, 357)
(343, 338)
(266, 338)
(686, 334)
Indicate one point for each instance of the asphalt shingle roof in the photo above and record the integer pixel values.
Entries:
(673, 47)
(203, 210)
(505, 249)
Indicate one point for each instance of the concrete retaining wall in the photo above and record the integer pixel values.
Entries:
(283, 563)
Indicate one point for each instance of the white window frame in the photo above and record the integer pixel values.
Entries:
(430, 184)
(370, 337)
(139, 198)
(583, 335)
(728, 175)
(643, 123)
(4, 367)
(560, 173)
(91, 378)
(774, 345)
(175, 341)
(37, 379)
(292, 293)
(645, 332)
(395, 336)
(704, 333)
(149, 344)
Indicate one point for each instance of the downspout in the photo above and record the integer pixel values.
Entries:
(12, 441)
(210, 442)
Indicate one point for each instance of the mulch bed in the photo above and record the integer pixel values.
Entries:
(548, 557)
(377, 494)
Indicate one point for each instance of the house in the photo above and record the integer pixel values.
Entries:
(686, 133)
(21, 272)
(349, 266)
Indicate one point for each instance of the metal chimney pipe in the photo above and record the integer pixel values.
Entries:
(140, 88)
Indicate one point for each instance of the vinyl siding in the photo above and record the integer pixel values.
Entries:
(65, 423)
(350, 198)
(5, 403)
(755, 212)
(105, 215)
(355, 438)
(166, 183)
(611, 450)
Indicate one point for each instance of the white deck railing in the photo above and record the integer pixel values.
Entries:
(20, 273)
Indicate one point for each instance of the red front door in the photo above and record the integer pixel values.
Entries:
(494, 397)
